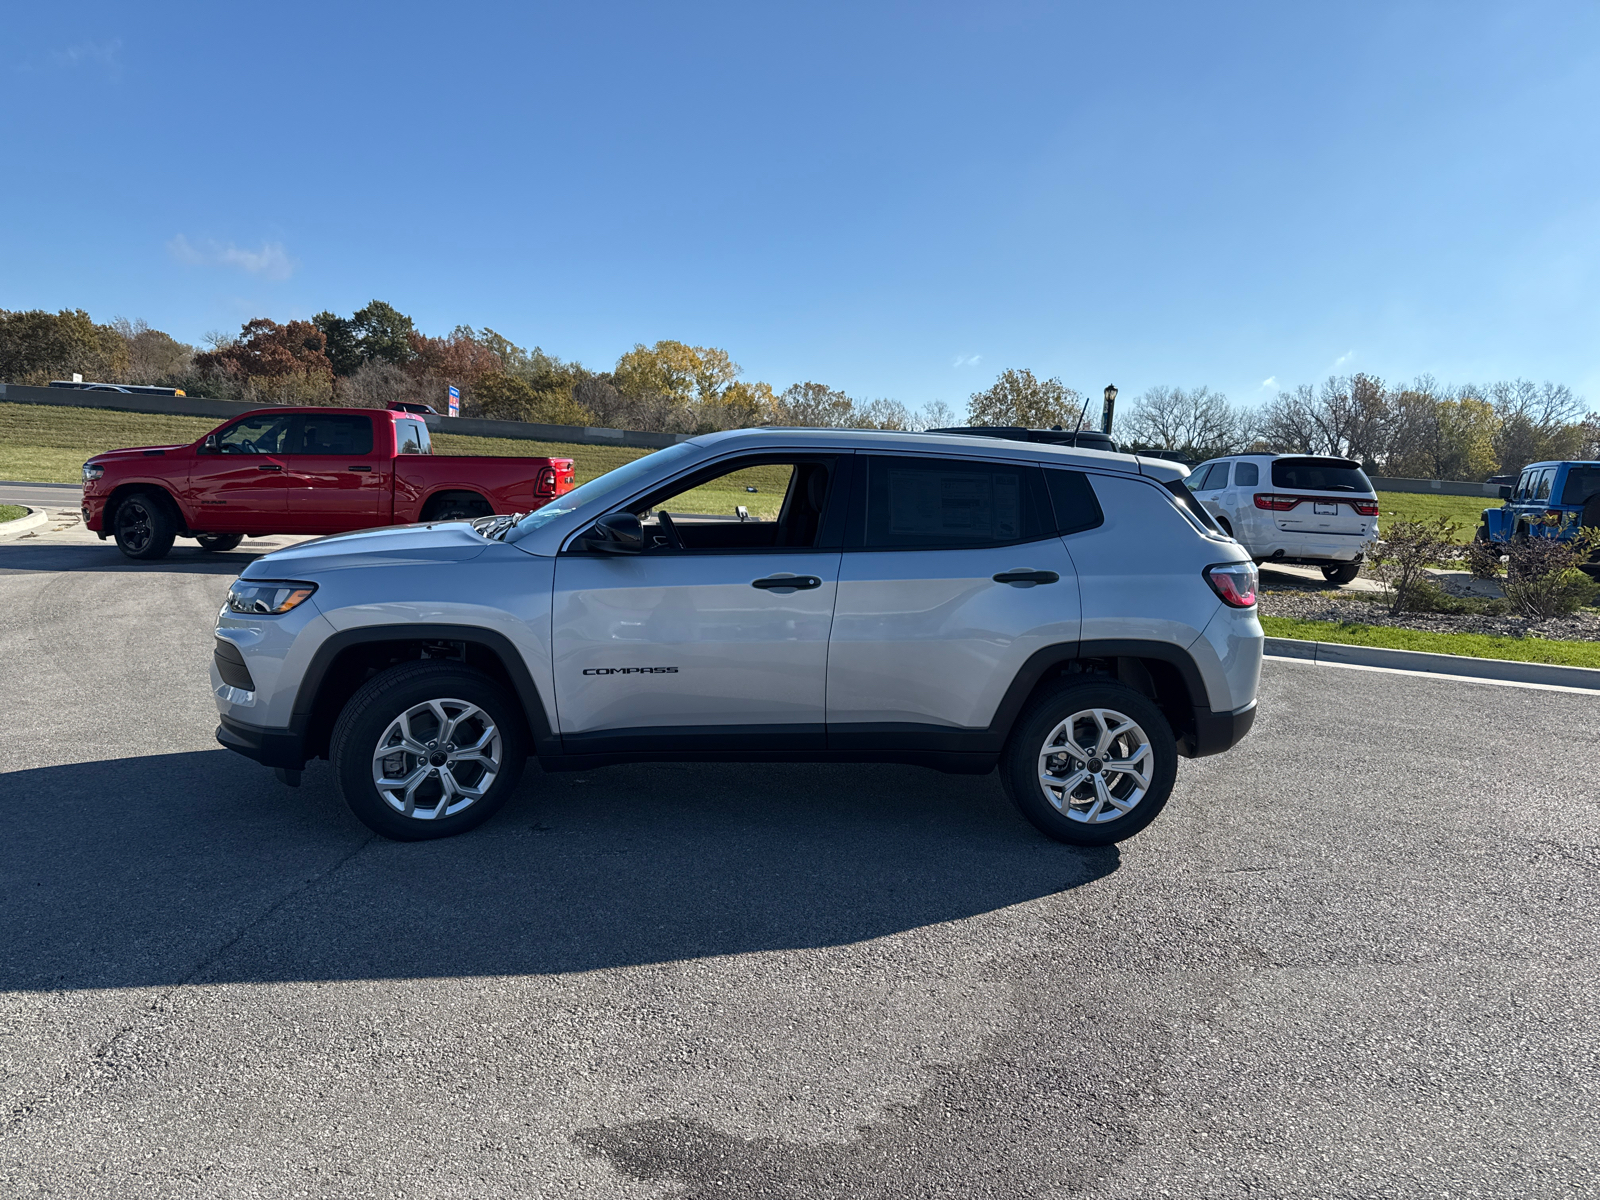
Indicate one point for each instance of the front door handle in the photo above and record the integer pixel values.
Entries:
(269, 467)
(787, 583)
(1026, 578)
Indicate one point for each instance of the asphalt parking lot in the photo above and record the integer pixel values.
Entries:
(1356, 957)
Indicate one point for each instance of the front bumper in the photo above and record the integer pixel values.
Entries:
(270, 747)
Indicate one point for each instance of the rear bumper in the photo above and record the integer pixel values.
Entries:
(269, 747)
(1215, 732)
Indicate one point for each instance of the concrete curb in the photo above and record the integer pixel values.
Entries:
(1459, 665)
(35, 518)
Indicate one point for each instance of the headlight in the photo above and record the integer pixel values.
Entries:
(267, 597)
(92, 471)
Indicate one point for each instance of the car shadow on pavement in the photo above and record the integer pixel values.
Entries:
(184, 560)
(202, 868)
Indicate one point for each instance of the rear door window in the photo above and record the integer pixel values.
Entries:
(1246, 474)
(1200, 480)
(347, 435)
(936, 504)
(1543, 490)
(1319, 475)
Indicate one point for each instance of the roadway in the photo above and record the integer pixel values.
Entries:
(1355, 957)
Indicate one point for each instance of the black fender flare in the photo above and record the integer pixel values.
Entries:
(544, 739)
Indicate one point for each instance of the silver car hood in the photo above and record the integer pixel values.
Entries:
(395, 545)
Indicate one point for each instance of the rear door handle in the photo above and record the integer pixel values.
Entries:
(1027, 578)
(269, 467)
(358, 467)
(787, 583)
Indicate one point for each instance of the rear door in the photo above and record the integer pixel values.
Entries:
(338, 479)
(953, 574)
(1210, 490)
(716, 637)
(238, 481)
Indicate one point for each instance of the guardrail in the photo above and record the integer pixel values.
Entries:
(204, 406)
(1438, 487)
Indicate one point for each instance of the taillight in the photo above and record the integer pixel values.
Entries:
(1367, 508)
(1234, 583)
(1276, 503)
(547, 482)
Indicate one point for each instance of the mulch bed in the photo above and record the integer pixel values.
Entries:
(1311, 603)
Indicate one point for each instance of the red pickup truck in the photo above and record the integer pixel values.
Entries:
(302, 470)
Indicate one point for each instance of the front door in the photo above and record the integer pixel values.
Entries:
(238, 480)
(957, 577)
(336, 482)
(716, 636)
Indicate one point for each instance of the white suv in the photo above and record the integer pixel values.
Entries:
(1293, 508)
(1069, 616)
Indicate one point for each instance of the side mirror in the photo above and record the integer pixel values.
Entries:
(615, 533)
(1505, 491)
(209, 446)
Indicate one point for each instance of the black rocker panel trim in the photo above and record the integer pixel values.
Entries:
(690, 739)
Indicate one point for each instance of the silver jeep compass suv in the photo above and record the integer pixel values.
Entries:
(1070, 616)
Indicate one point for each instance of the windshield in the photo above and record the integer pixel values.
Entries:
(1319, 475)
(620, 477)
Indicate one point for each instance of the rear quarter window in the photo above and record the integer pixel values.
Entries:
(1247, 474)
(1583, 484)
(1073, 501)
(1319, 475)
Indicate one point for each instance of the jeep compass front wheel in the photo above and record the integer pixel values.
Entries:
(427, 750)
(1090, 763)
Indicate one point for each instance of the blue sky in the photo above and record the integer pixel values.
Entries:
(894, 199)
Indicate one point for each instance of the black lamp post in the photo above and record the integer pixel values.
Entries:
(1109, 409)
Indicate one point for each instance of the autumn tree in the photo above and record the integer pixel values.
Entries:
(1017, 398)
(37, 346)
(277, 364)
(153, 356)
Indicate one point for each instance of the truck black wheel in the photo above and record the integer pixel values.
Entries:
(216, 543)
(427, 750)
(1343, 573)
(457, 506)
(143, 527)
(1090, 763)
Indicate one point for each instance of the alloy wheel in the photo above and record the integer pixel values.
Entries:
(436, 759)
(133, 525)
(1096, 766)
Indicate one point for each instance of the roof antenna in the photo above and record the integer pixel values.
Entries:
(1081, 413)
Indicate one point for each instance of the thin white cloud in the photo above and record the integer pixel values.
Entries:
(967, 360)
(272, 261)
(1343, 358)
(105, 57)
(1270, 381)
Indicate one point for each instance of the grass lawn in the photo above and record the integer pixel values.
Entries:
(1472, 645)
(1465, 511)
(12, 512)
(48, 443)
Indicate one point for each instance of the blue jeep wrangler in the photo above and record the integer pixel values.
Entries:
(1549, 499)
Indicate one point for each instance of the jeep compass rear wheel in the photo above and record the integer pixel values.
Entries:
(427, 750)
(1090, 763)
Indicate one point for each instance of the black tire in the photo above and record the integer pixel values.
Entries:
(1020, 764)
(143, 527)
(1482, 535)
(378, 705)
(217, 543)
(1343, 573)
(458, 507)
